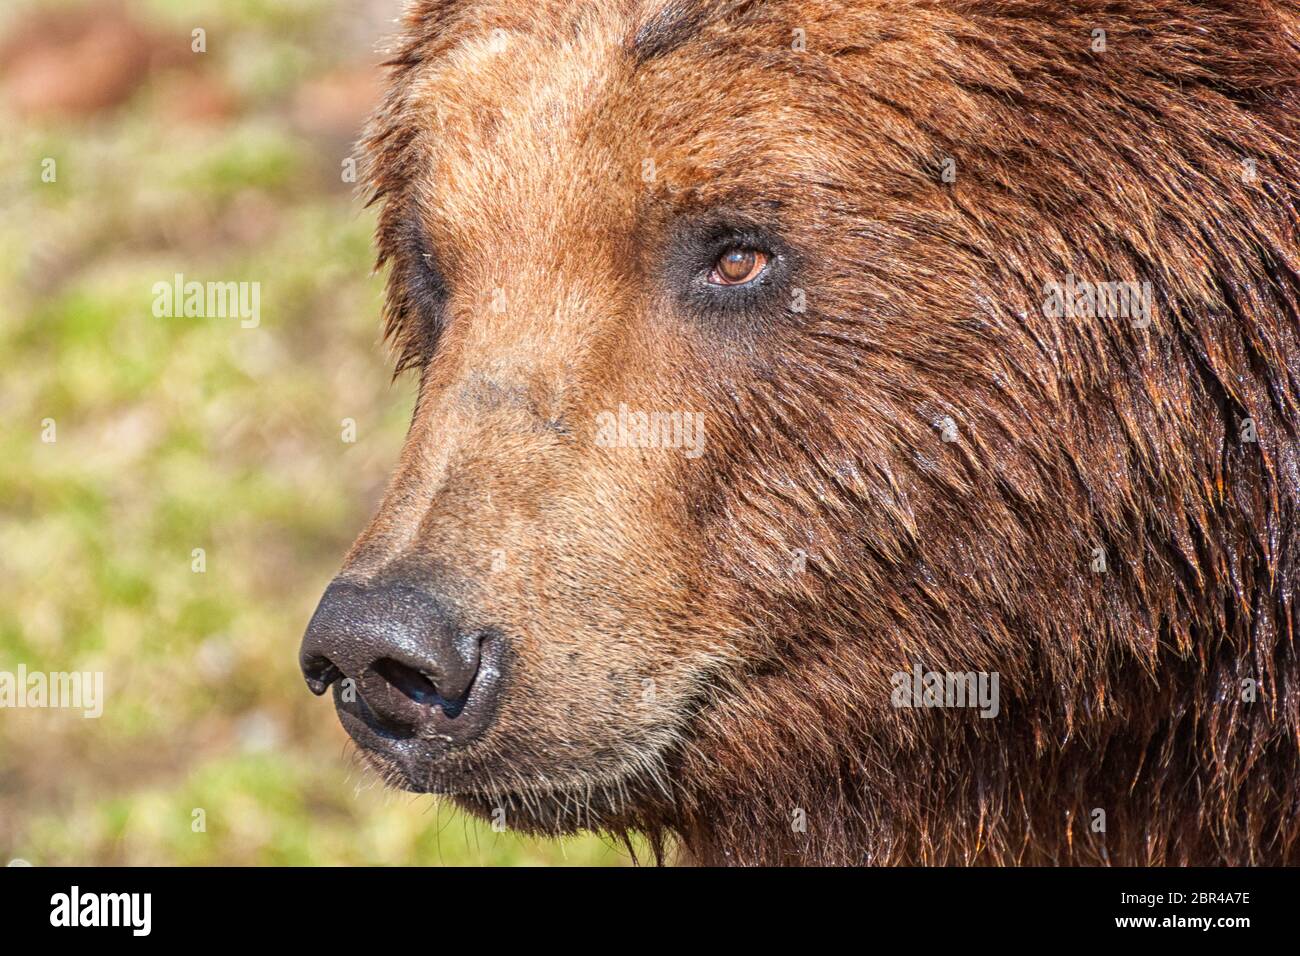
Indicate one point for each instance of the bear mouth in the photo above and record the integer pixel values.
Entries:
(486, 779)
(609, 801)
(483, 782)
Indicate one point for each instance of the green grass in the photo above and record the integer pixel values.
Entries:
(174, 434)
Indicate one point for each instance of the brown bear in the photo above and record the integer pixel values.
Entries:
(847, 432)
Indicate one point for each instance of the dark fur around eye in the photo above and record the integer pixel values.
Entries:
(417, 300)
(693, 253)
(427, 282)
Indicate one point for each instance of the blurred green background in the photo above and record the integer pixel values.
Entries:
(180, 433)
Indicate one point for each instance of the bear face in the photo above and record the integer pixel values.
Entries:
(770, 351)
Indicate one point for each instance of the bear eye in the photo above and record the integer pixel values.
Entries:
(738, 266)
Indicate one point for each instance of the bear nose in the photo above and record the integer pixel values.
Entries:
(411, 665)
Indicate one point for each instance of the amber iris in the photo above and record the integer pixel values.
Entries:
(737, 266)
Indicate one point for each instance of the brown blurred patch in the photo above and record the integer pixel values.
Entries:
(190, 97)
(337, 104)
(79, 60)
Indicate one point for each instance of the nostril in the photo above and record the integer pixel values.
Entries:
(319, 672)
(420, 686)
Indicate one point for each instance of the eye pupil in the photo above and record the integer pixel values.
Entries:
(737, 266)
(738, 263)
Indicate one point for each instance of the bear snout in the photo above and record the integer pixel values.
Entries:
(407, 675)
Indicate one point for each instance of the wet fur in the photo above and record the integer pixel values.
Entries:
(1120, 691)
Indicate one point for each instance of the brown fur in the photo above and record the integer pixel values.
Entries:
(519, 172)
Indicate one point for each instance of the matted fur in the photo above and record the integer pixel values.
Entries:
(515, 160)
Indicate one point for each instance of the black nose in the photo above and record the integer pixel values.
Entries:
(398, 659)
